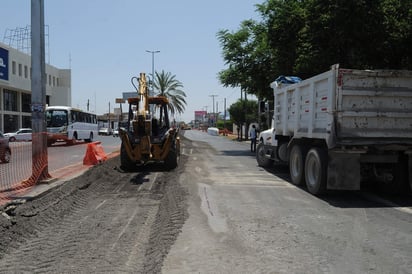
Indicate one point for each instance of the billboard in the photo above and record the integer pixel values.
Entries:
(4, 64)
(200, 115)
(127, 95)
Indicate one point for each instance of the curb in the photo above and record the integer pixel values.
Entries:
(59, 177)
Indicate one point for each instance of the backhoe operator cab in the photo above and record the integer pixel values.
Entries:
(148, 136)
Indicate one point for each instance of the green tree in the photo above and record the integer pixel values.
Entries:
(284, 21)
(244, 112)
(248, 58)
(305, 38)
(168, 86)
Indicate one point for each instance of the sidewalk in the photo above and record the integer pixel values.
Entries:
(59, 177)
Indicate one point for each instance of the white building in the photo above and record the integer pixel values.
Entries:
(15, 88)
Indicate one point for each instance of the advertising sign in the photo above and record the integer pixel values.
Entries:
(200, 115)
(4, 64)
(127, 95)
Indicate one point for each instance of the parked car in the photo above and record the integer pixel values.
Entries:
(5, 152)
(105, 131)
(23, 134)
(116, 132)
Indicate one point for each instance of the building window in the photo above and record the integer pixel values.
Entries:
(54, 81)
(9, 100)
(25, 72)
(11, 123)
(30, 72)
(49, 80)
(26, 121)
(57, 81)
(13, 67)
(25, 102)
(20, 70)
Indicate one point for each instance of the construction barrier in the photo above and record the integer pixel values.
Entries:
(94, 154)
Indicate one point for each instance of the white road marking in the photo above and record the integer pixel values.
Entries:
(125, 228)
(99, 205)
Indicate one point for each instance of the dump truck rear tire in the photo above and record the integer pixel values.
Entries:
(297, 165)
(316, 166)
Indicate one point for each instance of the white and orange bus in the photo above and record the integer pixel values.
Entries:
(70, 124)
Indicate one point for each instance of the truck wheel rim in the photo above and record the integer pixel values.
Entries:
(312, 171)
(295, 165)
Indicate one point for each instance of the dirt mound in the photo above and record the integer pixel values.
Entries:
(162, 210)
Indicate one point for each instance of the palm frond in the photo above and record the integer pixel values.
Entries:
(167, 85)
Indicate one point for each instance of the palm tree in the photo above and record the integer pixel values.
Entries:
(170, 87)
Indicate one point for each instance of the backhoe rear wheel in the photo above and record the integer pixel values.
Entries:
(173, 156)
(125, 162)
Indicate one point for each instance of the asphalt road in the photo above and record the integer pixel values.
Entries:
(218, 212)
(244, 219)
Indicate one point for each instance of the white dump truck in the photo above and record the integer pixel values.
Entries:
(343, 127)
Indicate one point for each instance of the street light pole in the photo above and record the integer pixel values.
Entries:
(213, 98)
(153, 53)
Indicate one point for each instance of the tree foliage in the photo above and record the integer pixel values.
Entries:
(306, 37)
(169, 86)
(243, 111)
(248, 58)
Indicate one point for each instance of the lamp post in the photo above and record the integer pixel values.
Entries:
(153, 53)
(213, 97)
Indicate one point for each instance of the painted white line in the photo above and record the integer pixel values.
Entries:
(99, 205)
(153, 181)
(125, 228)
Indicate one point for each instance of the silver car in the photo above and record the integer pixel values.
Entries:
(23, 134)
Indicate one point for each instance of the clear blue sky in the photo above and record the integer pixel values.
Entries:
(105, 42)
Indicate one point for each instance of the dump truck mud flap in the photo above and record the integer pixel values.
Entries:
(343, 171)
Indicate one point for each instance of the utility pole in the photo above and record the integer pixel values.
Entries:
(224, 116)
(40, 170)
(213, 99)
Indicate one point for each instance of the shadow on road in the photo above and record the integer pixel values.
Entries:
(368, 197)
(238, 153)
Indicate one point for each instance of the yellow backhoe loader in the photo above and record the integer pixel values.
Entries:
(148, 136)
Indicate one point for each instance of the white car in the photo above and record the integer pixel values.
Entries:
(105, 131)
(23, 134)
(116, 132)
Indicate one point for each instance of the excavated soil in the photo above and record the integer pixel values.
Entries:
(105, 220)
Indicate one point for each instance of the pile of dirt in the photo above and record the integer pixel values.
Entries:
(21, 221)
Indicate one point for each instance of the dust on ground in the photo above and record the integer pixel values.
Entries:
(106, 219)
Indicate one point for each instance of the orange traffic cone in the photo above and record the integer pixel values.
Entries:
(94, 154)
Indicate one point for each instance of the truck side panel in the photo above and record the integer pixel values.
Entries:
(306, 109)
(347, 106)
(374, 104)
